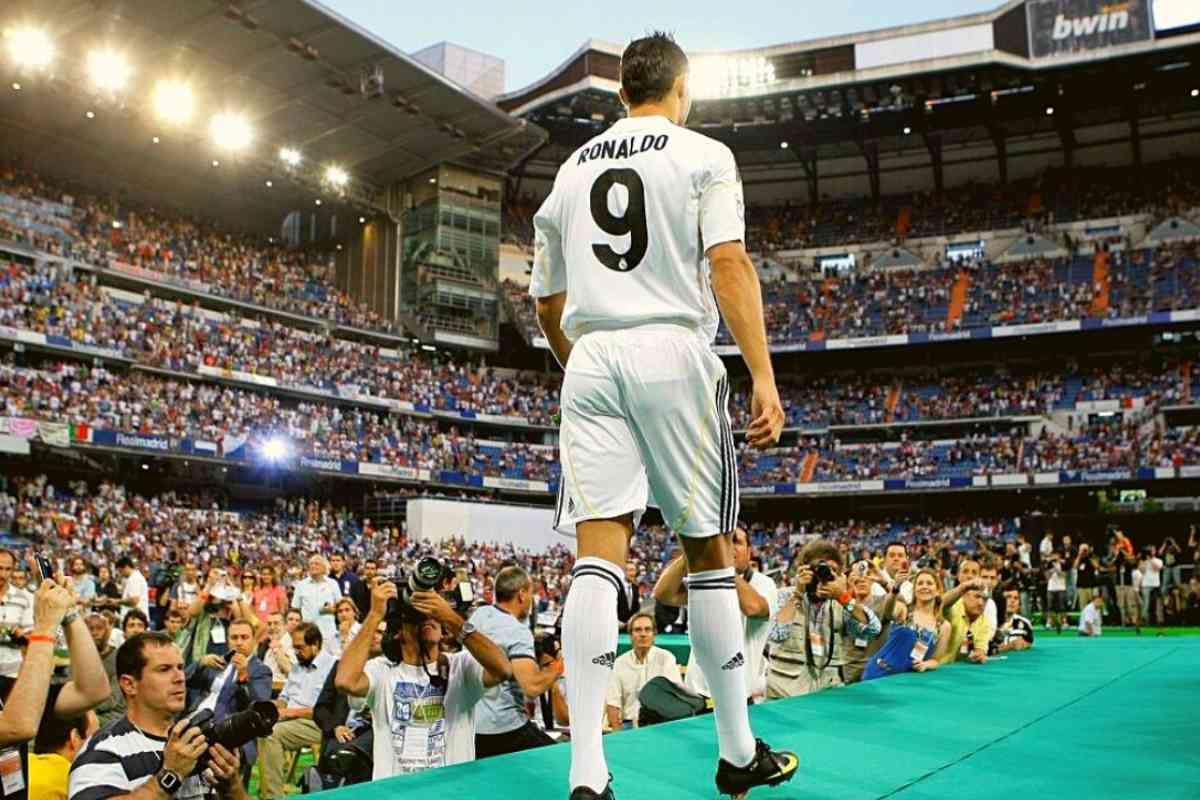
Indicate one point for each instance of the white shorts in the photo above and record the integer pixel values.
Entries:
(645, 421)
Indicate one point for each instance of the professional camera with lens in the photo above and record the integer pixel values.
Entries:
(429, 575)
(822, 573)
(256, 722)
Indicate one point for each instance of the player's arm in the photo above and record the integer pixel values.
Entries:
(735, 284)
(548, 281)
(549, 316)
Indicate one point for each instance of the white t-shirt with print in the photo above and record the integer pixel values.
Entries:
(419, 726)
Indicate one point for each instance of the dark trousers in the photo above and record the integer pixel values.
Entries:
(526, 737)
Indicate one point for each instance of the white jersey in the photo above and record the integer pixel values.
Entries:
(626, 227)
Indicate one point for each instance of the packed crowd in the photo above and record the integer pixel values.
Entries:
(864, 399)
(72, 222)
(147, 404)
(101, 399)
(877, 303)
(283, 606)
(163, 334)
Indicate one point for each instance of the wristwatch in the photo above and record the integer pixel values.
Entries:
(69, 617)
(466, 630)
(168, 781)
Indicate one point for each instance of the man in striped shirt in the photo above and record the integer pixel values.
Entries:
(147, 755)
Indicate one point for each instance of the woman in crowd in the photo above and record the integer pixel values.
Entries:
(249, 587)
(915, 645)
(269, 597)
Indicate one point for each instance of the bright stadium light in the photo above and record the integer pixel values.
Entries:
(173, 101)
(718, 76)
(1195, 92)
(29, 47)
(275, 449)
(108, 69)
(337, 177)
(1049, 111)
(231, 131)
(290, 156)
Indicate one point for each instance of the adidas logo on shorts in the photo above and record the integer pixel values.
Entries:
(735, 662)
(607, 659)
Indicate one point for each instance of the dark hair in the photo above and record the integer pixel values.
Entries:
(310, 632)
(53, 732)
(131, 656)
(820, 550)
(245, 622)
(649, 67)
(124, 561)
(901, 545)
(175, 612)
(135, 613)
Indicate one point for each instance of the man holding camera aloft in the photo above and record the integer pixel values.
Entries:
(817, 619)
(422, 700)
(147, 755)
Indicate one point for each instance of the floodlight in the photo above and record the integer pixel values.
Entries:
(1049, 111)
(231, 131)
(290, 156)
(1195, 92)
(783, 145)
(336, 176)
(173, 101)
(108, 70)
(907, 130)
(30, 47)
(275, 449)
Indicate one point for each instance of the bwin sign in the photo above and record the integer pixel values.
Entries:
(1065, 28)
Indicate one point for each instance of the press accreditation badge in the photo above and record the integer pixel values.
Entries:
(11, 777)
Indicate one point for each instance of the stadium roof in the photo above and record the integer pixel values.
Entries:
(983, 75)
(304, 76)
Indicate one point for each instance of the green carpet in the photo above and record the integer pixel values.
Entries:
(1087, 718)
(681, 646)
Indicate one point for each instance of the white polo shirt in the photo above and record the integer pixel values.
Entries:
(1090, 614)
(629, 675)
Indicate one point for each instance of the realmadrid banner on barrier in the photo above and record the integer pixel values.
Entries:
(1064, 27)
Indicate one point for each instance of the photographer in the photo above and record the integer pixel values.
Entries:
(757, 600)
(1056, 592)
(24, 701)
(147, 755)
(501, 724)
(422, 700)
(211, 614)
(970, 631)
(817, 619)
(231, 684)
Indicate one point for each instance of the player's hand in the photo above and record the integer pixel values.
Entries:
(343, 734)
(767, 413)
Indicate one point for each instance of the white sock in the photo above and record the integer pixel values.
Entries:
(589, 650)
(715, 625)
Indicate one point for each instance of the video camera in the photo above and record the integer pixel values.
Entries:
(256, 722)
